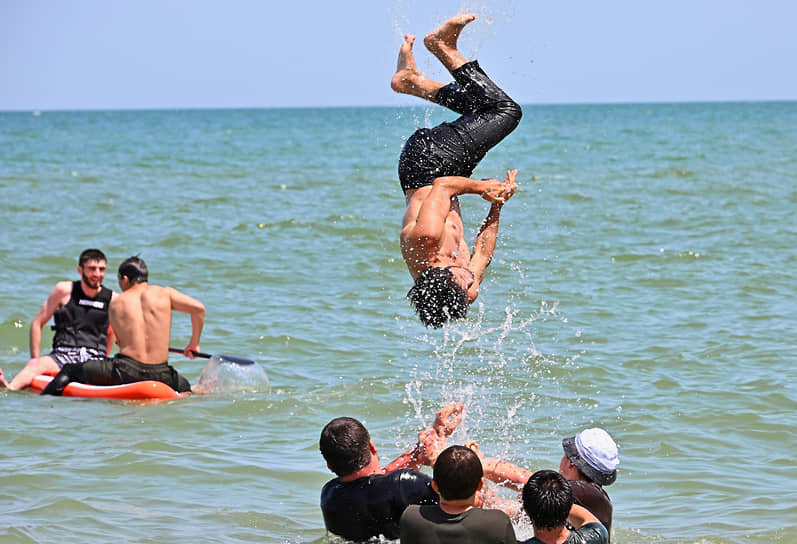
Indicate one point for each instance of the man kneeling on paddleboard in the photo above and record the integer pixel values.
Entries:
(141, 318)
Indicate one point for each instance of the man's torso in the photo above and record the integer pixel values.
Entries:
(593, 497)
(141, 320)
(420, 253)
(589, 533)
(430, 524)
(82, 321)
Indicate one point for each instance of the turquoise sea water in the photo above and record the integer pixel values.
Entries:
(644, 282)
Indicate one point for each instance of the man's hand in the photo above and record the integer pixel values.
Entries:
(191, 350)
(432, 440)
(448, 418)
(499, 192)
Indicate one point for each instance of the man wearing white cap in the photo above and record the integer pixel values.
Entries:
(589, 463)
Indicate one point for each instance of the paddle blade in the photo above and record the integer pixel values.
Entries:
(225, 374)
(234, 360)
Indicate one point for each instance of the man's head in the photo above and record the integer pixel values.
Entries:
(457, 473)
(547, 498)
(91, 267)
(135, 270)
(345, 445)
(437, 298)
(593, 454)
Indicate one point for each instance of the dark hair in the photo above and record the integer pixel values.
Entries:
(457, 473)
(135, 269)
(90, 255)
(437, 298)
(547, 498)
(345, 445)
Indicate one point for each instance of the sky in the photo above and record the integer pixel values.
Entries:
(167, 54)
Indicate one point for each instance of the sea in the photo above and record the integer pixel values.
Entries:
(644, 282)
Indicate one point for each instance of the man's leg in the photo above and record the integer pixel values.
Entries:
(73, 372)
(443, 41)
(407, 79)
(493, 114)
(40, 365)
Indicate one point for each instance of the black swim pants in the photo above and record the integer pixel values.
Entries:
(121, 369)
(488, 115)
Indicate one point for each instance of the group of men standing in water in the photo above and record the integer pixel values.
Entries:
(88, 316)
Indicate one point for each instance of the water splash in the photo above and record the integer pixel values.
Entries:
(223, 376)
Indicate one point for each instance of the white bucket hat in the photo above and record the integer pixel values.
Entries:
(594, 453)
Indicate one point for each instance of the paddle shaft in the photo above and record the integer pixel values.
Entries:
(196, 353)
(223, 358)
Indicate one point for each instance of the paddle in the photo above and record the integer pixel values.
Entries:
(223, 358)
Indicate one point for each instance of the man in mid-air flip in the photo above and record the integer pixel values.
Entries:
(434, 169)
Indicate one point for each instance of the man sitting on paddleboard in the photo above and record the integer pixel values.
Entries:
(141, 318)
(82, 330)
(435, 168)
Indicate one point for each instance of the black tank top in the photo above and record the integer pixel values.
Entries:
(83, 321)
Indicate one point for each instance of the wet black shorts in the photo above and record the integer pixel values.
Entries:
(488, 115)
(121, 369)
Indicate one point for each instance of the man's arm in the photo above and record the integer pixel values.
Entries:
(431, 215)
(183, 303)
(579, 516)
(62, 289)
(505, 473)
(484, 247)
(111, 334)
(431, 441)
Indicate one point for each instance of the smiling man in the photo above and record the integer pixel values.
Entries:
(82, 329)
(434, 170)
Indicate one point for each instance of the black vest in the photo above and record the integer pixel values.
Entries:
(83, 321)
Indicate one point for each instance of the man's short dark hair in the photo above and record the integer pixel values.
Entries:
(547, 498)
(91, 255)
(457, 473)
(345, 445)
(437, 298)
(135, 269)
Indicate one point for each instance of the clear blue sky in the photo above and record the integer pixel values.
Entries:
(107, 54)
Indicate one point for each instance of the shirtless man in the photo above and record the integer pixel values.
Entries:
(434, 169)
(141, 318)
(82, 329)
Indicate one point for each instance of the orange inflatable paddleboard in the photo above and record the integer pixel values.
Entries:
(146, 390)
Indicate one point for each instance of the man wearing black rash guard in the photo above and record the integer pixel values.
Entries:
(366, 500)
(434, 169)
(82, 328)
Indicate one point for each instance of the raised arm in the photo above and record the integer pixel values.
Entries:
(579, 516)
(431, 441)
(505, 473)
(484, 247)
(183, 303)
(58, 296)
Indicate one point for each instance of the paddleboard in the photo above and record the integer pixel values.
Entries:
(146, 390)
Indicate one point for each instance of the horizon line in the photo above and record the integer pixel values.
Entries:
(39, 111)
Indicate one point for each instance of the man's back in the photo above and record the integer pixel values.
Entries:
(141, 318)
(429, 524)
(372, 505)
(589, 533)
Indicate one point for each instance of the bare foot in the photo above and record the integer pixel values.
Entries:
(407, 79)
(443, 41)
(3, 382)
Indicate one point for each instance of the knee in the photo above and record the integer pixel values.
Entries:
(512, 109)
